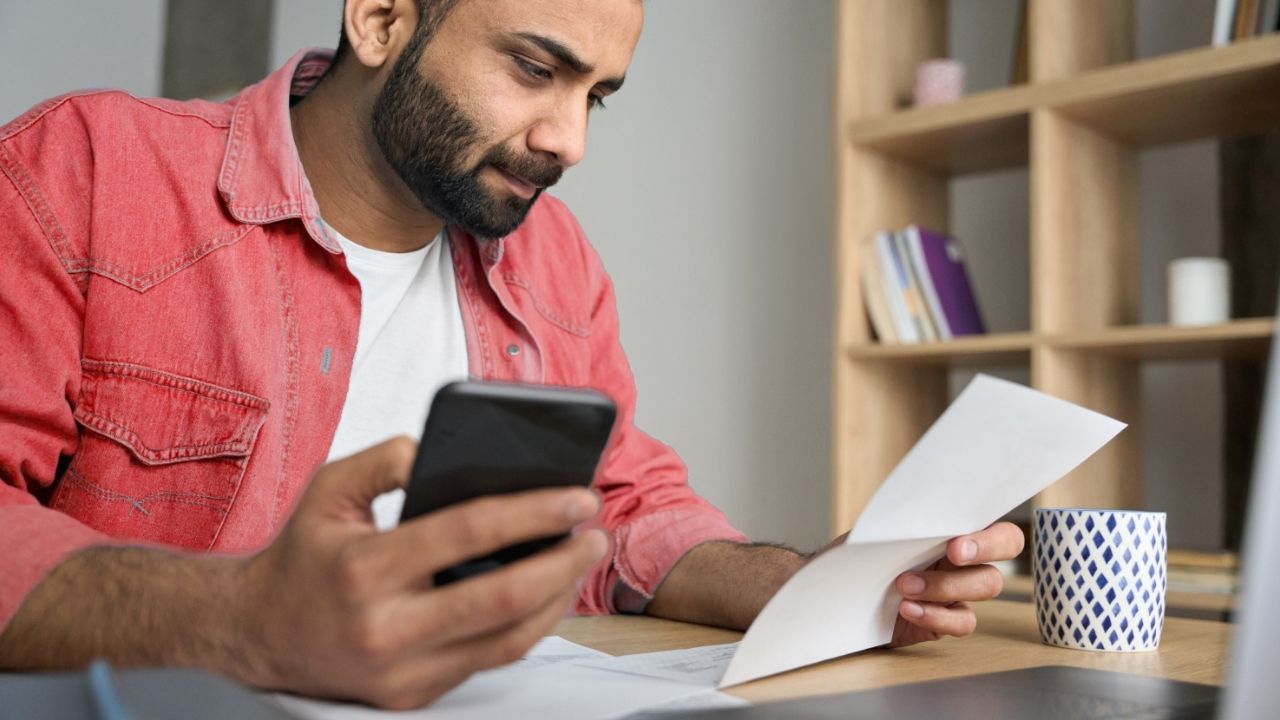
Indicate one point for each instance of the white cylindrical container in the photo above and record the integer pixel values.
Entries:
(1199, 291)
(1099, 578)
(939, 81)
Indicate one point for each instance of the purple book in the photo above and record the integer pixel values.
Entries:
(946, 281)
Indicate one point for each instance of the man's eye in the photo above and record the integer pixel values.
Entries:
(532, 70)
(595, 102)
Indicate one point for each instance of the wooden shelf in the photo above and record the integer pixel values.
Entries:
(1078, 128)
(1196, 94)
(1207, 92)
(1239, 338)
(983, 132)
(991, 350)
(1250, 338)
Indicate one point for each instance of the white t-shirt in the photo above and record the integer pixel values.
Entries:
(411, 342)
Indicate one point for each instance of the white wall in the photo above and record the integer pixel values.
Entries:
(48, 48)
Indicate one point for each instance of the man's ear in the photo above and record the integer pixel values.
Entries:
(377, 30)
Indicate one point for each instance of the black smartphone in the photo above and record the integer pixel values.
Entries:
(494, 439)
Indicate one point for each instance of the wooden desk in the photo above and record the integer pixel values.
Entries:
(1007, 639)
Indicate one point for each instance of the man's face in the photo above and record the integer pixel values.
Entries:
(494, 107)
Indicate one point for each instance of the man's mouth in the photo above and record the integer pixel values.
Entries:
(521, 187)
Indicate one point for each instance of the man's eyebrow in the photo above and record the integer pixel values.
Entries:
(558, 51)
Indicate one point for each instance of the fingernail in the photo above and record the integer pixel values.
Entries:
(913, 611)
(582, 507)
(912, 585)
(968, 551)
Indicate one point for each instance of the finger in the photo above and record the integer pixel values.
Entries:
(947, 586)
(1001, 541)
(957, 620)
(353, 482)
(488, 603)
(424, 677)
(404, 557)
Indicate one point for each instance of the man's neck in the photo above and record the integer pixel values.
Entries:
(358, 192)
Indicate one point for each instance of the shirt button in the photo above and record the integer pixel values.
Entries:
(513, 350)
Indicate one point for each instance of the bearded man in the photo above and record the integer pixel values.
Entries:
(205, 302)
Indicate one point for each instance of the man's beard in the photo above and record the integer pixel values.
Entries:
(426, 137)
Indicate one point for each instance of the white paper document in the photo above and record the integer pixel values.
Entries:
(563, 680)
(703, 666)
(996, 446)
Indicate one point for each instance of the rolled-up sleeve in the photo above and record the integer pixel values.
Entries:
(40, 331)
(651, 514)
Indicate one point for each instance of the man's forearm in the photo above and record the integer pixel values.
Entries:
(134, 607)
(723, 583)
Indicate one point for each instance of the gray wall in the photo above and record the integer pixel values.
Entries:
(47, 48)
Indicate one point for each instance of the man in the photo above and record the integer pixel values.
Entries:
(204, 302)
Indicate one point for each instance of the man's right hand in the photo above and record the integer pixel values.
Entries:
(331, 607)
(344, 610)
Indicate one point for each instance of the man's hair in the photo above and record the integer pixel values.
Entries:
(431, 13)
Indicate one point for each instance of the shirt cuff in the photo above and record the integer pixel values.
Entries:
(35, 540)
(646, 549)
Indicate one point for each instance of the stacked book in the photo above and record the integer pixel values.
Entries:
(1214, 573)
(1241, 19)
(916, 288)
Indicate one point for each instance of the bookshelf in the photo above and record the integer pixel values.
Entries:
(1077, 127)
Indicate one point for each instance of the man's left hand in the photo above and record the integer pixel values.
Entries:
(935, 600)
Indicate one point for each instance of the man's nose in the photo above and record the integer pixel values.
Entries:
(563, 135)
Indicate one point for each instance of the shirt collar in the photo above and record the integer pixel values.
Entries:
(262, 180)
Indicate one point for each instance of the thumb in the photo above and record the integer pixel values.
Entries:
(353, 482)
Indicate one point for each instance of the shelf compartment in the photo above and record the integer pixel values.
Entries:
(1249, 338)
(999, 349)
(1201, 93)
(1191, 95)
(983, 132)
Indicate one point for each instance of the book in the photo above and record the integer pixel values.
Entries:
(1223, 15)
(1268, 17)
(947, 276)
(873, 293)
(1207, 560)
(1246, 19)
(915, 250)
(894, 285)
(914, 296)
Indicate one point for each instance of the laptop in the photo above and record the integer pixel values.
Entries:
(1057, 692)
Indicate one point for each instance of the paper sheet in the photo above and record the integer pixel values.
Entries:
(680, 708)
(558, 679)
(996, 446)
(702, 666)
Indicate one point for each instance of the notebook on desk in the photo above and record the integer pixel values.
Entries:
(1054, 693)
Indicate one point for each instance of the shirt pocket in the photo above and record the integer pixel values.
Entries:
(161, 456)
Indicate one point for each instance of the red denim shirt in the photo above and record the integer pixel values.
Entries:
(177, 328)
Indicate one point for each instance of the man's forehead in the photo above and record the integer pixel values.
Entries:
(602, 33)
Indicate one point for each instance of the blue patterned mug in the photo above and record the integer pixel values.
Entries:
(1099, 578)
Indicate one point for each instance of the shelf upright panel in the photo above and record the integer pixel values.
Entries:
(1086, 274)
(880, 409)
(1069, 37)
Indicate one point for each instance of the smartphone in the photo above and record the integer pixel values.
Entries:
(493, 439)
